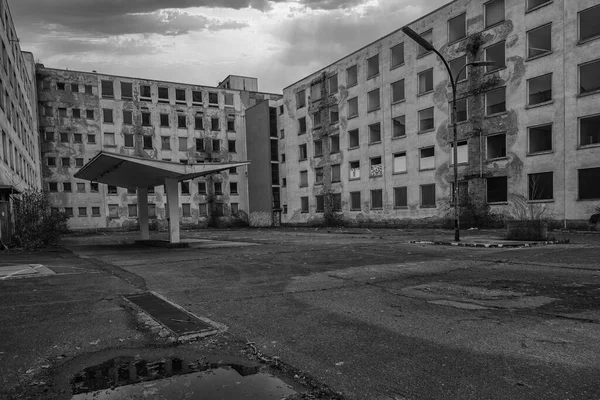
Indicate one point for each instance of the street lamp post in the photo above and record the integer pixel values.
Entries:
(428, 46)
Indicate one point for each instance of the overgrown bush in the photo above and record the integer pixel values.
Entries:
(36, 223)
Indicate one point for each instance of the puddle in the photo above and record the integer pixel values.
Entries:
(173, 378)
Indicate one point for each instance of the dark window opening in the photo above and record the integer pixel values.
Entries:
(540, 139)
(163, 94)
(126, 90)
(397, 55)
(428, 37)
(398, 91)
(373, 66)
(145, 91)
(303, 178)
(495, 101)
(147, 142)
(457, 28)
(425, 81)
(164, 120)
(376, 199)
(107, 89)
(146, 119)
(214, 124)
(588, 23)
(541, 186)
(181, 121)
(497, 189)
(540, 89)
(539, 41)
(588, 184)
(375, 133)
(353, 138)
(589, 78)
(494, 12)
(400, 197)
(496, 146)
(180, 95)
(355, 201)
(456, 66)
(496, 54)
(196, 97)
(426, 121)
(589, 130)
(352, 76)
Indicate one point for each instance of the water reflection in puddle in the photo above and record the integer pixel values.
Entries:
(128, 378)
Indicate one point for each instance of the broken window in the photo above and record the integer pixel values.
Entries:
(186, 210)
(302, 155)
(397, 55)
(213, 99)
(539, 41)
(231, 146)
(282, 158)
(67, 186)
(229, 99)
(181, 121)
(80, 187)
(354, 170)
(334, 114)
(495, 101)
(231, 124)
(428, 195)
(233, 187)
(317, 119)
(201, 187)
(109, 139)
(399, 162)
(303, 204)
(540, 89)
(50, 161)
(301, 126)
(425, 79)
(589, 130)
(456, 66)
(145, 91)
(494, 12)
(89, 114)
(126, 90)
(165, 143)
(199, 144)
(353, 139)
(352, 76)
(60, 86)
(107, 89)
(147, 142)
(185, 187)
(180, 95)
(457, 28)
(303, 178)
(589, 78)
(461, 110)
(198, 122)
(301, 99)
(426, 121)
(427, 158)
(318, 146)
(428, 37)
(531, 4)
(353, 107)
(373, 102)
(541, 186)
(374, 133)
(214, 124)
(401, 197)
(373, 66)
(336, 202)
(163, 94)
(127, 117)
(398, 91)
(164, 120)
(315, 91)
(76, 113)
(218, 188)
(128, 140)
(588, 184)
(318, 176)
(463, 152)
(497, 189)
(399, 126)
(146, 119)
(376, 167)
(588, 23)
(495, 53)
(196, 97)
(216, 145)
(333, 83)
(355, 201)
(89, 89)
(336, 174)
(48, 137)
(95, 211)
(77, 138)
(91, 138)
(112, 189)
(62, 112)
(79, 162)
(132, 210)
(334, 144)
(496, 146)
(182, 144)
(52, 186)
(107, 115)
(376, 199)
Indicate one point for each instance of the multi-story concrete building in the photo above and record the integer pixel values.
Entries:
(84, 113)
(19, 148)
(369, 136)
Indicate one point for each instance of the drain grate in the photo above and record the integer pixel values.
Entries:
(177, 320)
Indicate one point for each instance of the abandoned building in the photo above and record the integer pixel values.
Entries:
(369, 137)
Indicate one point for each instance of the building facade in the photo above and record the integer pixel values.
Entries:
(369, 137)
(83, 113)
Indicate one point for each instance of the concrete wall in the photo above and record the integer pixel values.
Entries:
(563, 112)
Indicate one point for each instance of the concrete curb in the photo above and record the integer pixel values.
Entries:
(485, 245)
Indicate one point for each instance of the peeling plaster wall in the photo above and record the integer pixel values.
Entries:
(564, 160)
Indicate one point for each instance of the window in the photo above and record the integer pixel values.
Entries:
(146, 119)
(428, 195)
(132, 210)
(233, 187)
(397, 55)
(400, 197)
(541, 186)
(128, 140)
(196, 97)
(426, 122)
(231, 124)
(317, 119)
(48, 137)
(302, 126)
(588, 183)
(303, 178)
(463, 152)
(540, 89)
(67, 186)
(373, 102)
(88, 89)
(302, 155)
(48, 112)
(91, 138)
(89, 114)
(376, 167)
(107, 115)
(457, 28)
(336, 173)
(315, 91)
(69, 211)
(229, 99)
(218, 188)
(216, 145)
(428, 36)
(180, 95)
(353, 138)
(304, 204)
(375, 133)
(126, 90)
(282, 134)
(355, 201)
(198, 122)
(400, 162)
(352, 76)
(354, 170)
(77, 138)
(398, 91)
(94, 187)
(456, 66)
(425, 81)
(80, 187)
(539, 41)
(589, 79)
(318, 145)
(373, 66)
(301, 99)
(76, 113)
(283, 182)
(112, 190)
(107, 89)
(336, 202)
(147, 142)
(109, 139)
(427, 158)
(181, 121)
(353, 107)
(164, 120)
(145, 91)
(231, 146)
(127, 117)
(333, 83)
(376, 199)
(182, 143)
(199, 144)
(95, 211)
(399, 126)
(59, 86)
(213, 99)
(203, 209)
(50, 161)
(52, 186)
(151, 190)
(185, 187)
(463, 193)
(320, 203)
(186, 210)
(46, 85)
(497, 189)
(334, 144)
(531, 4)
(495, 53)
(201, 187)
(214, 124)
(588, 23)
(113, 211)
(495, 101)
(589, 130)
(494, 12)
(163, 94)
(62, 112)
(496, 146)
(318, 176)
(165, 143)
(461, 110)
(334, 114)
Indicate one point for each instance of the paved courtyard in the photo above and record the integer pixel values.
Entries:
(362, 313)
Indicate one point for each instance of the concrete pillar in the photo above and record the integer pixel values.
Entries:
(142, 200)
(172, 189)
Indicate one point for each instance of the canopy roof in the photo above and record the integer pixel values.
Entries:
(132, 172)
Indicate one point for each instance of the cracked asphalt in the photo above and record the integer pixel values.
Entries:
(362, 312)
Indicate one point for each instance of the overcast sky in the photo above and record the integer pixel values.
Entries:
(203, 41)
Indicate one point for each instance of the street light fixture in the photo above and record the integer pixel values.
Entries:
(429, 47)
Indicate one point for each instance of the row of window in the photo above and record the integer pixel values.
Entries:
(9, 153)
(132, 210)
(19, 122)
(184, 187)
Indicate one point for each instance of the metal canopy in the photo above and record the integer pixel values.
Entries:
(132, 172)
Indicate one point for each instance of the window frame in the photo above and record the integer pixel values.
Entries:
(350, 116)
(426, 168)
(372, 206)
(419, 93)
(399, 154)
(369, 66)
(487, 190)
(393, 66)
(579, 141)
(541, 103)
(527, 42)
(421, 130)
(594, 91)
(529, 128)
(369, 127)
(590, 38)
(464, 15)
(529, 187)
(370, 107)
(421, 51)
(485, 17)
(529, 8)
(485, 99)
(423, 186)
(392, 91)
(496, 67)
(580, 186)
(487, 158)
